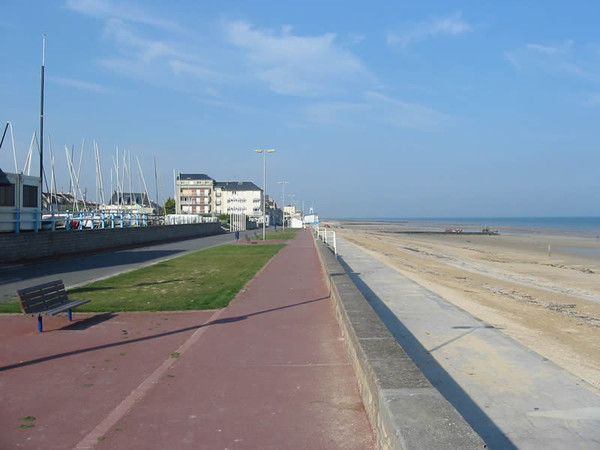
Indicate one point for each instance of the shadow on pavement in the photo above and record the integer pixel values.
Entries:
(95, 261)
(108, 316)
(88, 322)
(435, 373)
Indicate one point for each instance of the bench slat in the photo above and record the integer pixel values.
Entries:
(42, 297)
(46, 298)
(43, 286)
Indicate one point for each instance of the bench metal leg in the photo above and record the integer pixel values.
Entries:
(70, 315)
(40, 323)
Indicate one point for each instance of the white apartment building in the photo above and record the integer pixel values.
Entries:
(238, 197)
(200, 194)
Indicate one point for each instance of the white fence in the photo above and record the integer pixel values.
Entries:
(237, 222)
(328, 237)
(180, 219)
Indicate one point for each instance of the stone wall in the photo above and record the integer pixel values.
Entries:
(405, 410)
(29, 246)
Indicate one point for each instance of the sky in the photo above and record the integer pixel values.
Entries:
(387, 109)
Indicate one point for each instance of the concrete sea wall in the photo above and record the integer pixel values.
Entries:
(405, 410)
(31, 246)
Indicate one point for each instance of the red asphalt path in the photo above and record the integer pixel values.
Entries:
(268, 371)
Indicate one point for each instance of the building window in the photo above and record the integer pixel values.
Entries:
(30, 196)
(7, 195)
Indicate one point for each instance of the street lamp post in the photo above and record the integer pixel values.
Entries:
(264, 152)
(283, 183)
(290, 199)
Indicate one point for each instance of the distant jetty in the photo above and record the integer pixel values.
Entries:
(485, 232)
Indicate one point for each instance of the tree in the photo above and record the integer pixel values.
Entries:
(170, 206)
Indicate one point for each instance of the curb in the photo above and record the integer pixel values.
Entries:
(406, 412)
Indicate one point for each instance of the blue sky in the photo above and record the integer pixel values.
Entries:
(376, 109)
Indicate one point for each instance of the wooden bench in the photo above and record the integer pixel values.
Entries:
(49, 299)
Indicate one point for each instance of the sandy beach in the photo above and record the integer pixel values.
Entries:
(541, 289)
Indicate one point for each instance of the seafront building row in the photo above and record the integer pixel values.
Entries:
(23, 205)
(198, 193)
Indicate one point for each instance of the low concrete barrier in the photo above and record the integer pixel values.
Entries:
(405, 410)
(52, 244)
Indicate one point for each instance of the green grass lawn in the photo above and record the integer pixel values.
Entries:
(279, 234)
(289, 233)
(208, 279)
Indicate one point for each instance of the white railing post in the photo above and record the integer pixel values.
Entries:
(334, 244)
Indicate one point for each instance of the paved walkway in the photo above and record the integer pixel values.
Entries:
(511, 396)
(269, 371)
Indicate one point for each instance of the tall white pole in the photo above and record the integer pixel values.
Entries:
(283, 183)
(264, 194)
(176, 193)
(264, 152)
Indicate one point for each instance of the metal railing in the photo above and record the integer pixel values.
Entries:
(328, 237)
(16, 220)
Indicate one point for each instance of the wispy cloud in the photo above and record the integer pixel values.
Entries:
(559, 58)
(593, 100)
(80, 85)
(333, 113)
(452, 25)
(356, 38)
(128, 40)
(107, 9)
(180, 67)
(406, 114)
(379, 108)
(161, 59)
(296, 65)
(148, 47)
(551, 50)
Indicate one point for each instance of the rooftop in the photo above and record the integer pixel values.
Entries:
(237, 186)
(193, 176)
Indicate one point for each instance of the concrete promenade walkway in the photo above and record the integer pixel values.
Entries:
(269, 371)
(512, 397)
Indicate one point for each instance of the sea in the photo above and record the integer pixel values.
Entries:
(571, 226)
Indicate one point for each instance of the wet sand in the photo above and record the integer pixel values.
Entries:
(547, 300)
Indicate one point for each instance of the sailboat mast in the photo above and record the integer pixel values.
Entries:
(130, 185)
(42, 109)
(156, 182)
(141, 174)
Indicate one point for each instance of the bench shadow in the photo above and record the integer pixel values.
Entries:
(107, 316)
(435, 373)
(88, 322)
